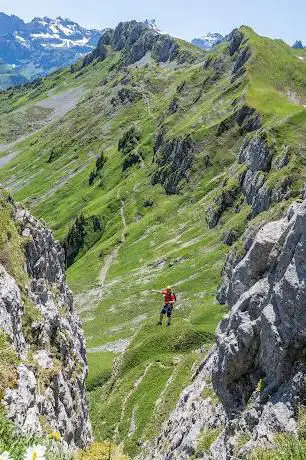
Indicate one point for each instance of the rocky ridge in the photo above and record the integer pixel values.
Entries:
(251, 385)
(136, 40)
(38, 320)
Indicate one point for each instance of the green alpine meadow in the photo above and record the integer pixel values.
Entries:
(148, 159)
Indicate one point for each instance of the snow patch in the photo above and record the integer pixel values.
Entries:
(64, 29)
(21, 40)
(66, 43)
(45, 36)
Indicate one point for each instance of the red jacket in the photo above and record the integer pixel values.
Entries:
(168, 296)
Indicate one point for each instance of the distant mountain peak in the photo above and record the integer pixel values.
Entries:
(298, 45)
(208, 41)
(41, 46)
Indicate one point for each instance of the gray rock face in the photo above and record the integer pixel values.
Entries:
(245, 117)
(50, 390)
(250, 269)
(258, 365)
(223, 200)
(165, 49)
(234, 38)
(243, 57)
(267, 294)
(265, 196)
(174, 159)
(12, 310)
(251, 185)
(135, 39)
(256, 154)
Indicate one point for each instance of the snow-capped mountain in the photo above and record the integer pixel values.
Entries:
(208, 41)
(29, 50)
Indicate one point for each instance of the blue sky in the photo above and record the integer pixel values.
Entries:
(275, 18)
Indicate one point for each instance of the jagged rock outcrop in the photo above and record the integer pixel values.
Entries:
(235, 39)
(257, 154)
(225, 197)
(258, 366)
(242, 59)
(136, 39)
(174, 159)
(245, 117)
(38, 318)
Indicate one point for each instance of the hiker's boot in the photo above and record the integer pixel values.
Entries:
(159, 323)
(168, 324)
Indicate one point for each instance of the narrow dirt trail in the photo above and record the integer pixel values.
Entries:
(89, 300)
(122, 214)
(110, 259)
(108, 262)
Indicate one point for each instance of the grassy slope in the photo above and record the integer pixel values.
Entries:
(166, 244)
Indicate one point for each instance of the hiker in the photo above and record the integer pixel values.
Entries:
(169, 300)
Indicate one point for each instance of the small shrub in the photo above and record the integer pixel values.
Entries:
(10, 439)
(287, 448)
(302, 423)
(83, 234)
(127, 95)
(101, 451)
(206, 439)
(260, 385)
(241, 441)
(208, 392)
(8, 365)
(130, 160)
(100, 162)
(129, 140)
(5, 259)
(31, 315)
(53, 155)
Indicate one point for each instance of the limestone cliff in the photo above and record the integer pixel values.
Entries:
(46, 388)
(251, 385)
